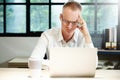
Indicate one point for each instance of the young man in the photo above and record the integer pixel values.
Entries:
(73, 32)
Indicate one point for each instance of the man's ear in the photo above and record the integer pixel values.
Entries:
(61, 16)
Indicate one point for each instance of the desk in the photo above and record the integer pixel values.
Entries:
(23, 74)
(18, 62)
(22, 62)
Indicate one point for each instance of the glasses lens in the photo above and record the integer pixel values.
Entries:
(66, 22)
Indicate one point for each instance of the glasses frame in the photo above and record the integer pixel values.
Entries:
(67, 22)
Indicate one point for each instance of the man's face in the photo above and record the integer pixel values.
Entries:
(69, 20)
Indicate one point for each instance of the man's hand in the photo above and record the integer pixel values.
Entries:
(83, 28)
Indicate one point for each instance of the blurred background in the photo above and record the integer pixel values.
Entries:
(23, 21)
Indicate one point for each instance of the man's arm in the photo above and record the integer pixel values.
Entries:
(40, 49)
(88, 41)
(84, 30)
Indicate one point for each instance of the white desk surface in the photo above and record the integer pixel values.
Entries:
(23, 74)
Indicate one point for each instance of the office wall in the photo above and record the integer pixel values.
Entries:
(11, 47)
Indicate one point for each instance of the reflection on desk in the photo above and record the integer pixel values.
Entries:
(23, 74)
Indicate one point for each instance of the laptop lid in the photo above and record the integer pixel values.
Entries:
(72, 62)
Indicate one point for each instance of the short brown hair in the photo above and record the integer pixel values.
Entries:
(73, 5)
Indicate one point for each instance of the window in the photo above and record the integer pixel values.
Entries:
(32, 17)
(1, 1)
(15, 19)
(107, 16)
(1, 19)
(15, 1)
(39, 1)
(56, 10)
(39, 17)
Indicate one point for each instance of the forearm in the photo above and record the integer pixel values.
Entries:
(88, 39)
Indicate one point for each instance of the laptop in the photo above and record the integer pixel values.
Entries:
(72, 62)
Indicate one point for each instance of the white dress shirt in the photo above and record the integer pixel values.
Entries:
(53, 38)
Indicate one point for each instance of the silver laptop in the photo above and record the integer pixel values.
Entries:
(72, 62)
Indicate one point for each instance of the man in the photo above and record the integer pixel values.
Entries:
(73, 32)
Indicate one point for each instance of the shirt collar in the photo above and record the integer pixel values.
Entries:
(60, 37)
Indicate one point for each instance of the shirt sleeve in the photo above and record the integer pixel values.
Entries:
(40, 49)
(90, 45)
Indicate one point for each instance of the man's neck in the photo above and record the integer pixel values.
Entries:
(67, 37)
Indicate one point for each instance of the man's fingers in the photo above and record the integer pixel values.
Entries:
(80, 20)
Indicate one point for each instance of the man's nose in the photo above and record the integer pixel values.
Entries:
(69, 25)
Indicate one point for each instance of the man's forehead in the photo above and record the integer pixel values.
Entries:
(70, 15)
(68, 11)
(68, 8)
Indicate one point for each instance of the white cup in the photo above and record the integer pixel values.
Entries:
(35, 68)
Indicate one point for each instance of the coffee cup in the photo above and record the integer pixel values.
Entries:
(35, 67)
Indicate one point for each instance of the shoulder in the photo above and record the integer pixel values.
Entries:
(52, 32)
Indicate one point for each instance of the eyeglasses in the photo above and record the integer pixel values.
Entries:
(66, 22)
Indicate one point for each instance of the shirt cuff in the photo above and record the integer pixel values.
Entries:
(90, 45)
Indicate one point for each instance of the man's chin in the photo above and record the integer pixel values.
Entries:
(69, 32)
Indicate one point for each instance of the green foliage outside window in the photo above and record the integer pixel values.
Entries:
(15, 19)
(1, 18)
(42, 1)
(39, 18)
(1, 1)
(15, 1)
